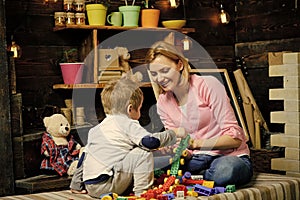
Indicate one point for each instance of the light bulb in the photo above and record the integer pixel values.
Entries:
(174, 3)
(224, 16)
(186, 43)
(16, 49)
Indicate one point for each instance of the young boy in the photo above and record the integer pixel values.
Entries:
(118, 150)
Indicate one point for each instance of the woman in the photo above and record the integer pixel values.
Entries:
(200, 104)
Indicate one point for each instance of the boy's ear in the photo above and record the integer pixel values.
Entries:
(129, 109)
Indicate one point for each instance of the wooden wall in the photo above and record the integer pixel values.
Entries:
(262, 27)
(256, 28)
(31, 23)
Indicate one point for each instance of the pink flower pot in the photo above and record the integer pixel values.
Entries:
(72, 72)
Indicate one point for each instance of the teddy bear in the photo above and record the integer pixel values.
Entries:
(124, 57)
(59, 149)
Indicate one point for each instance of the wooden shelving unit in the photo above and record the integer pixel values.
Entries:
(95, 29)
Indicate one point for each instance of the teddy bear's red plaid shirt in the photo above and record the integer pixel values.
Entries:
(60, 156)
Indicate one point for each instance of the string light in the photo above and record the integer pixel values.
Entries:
(47, 1)
(174, 3)
(186, 43)
(15, 48)
(224, 16)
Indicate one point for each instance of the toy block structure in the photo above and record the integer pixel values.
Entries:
(287, 65)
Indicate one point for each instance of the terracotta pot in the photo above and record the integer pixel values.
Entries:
(150, 18)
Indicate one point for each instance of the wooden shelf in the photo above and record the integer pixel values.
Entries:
(89, 86)
(44, 183)
(121, 28)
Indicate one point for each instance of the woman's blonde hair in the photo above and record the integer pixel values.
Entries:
(168, 50)
(118, 94)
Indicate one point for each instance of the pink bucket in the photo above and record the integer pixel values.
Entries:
(72, 72)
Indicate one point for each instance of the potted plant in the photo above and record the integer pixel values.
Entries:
(131, 14)
(70, 66)
(149, 15)
(96, 12)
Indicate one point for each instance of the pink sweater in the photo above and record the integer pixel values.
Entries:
(208, 114)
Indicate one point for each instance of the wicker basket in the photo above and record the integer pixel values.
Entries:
(261, 159)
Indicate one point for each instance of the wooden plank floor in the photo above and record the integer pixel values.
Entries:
(59, 195)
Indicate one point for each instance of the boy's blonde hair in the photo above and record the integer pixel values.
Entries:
(168, 50)
(118, 94)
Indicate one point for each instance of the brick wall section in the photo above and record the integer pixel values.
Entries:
(287, 65)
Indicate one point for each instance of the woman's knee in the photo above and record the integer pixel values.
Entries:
(228, 170)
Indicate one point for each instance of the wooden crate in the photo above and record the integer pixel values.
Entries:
(27, 156)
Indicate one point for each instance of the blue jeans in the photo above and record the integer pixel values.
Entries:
(223, 170)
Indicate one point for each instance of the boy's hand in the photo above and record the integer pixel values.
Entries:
(180, 132)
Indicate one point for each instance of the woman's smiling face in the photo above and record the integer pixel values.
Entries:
(165, 72)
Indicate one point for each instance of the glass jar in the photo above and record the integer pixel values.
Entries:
(80, 18)
(68, 5)
(60, 18)
(79, 6)
(70, 19)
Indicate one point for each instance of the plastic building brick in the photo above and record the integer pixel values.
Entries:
(180, 188)
(219, 190)
(180, 194)
(197, 177)
(192, 193)
(150, 194)
(230, 188)
(202, 190)
(175, 167)
(170, 181)
(209, 184)
(109, 196)
(126, 198)
(158, 172)
(170, 196)
(163, 197)
(191, 181)
(179, 150)
(187, 175)
(186, 179)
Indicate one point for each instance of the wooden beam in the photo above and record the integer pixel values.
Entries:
(6, 164)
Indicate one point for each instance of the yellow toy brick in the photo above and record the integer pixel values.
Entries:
(209, 184)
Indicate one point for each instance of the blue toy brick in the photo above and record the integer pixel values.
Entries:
(187, 175)
(170, 196)
(219, 190)
(202, 190)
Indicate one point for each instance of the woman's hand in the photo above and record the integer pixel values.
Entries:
(195, 143)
